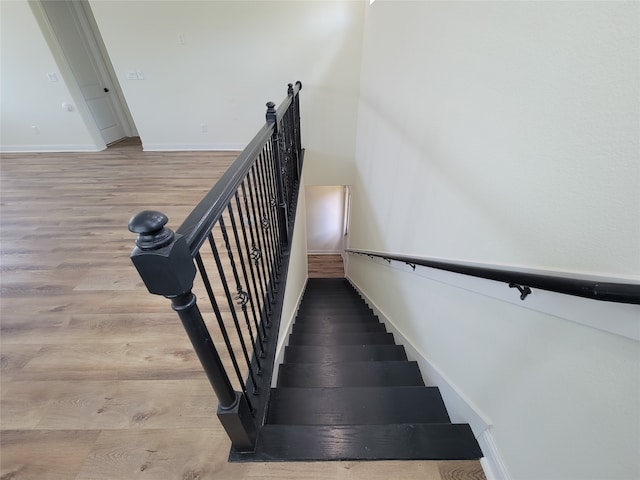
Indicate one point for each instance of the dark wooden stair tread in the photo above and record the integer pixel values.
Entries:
(337, 317)
(356, 405)
(346, 391)
(338, 328)
(354, 374)
(364, 442)
(343, 353)
(341, 307)
(367, 338)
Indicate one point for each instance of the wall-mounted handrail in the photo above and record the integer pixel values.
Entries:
(524, 281)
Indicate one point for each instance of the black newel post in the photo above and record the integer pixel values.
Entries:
(164, 263)
(275, 147)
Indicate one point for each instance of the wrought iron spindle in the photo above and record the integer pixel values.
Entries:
(242, 297)
(266, 226)
(256, 254)
(272, 118)
(223, 328)
(296, 123)
(249, 275)
(283, 171)
(255, 272)
(271, 175)
(234, 316)
(269, 211)
(261, 243)
(295, 134)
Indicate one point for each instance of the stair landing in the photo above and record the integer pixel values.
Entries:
(325, 266)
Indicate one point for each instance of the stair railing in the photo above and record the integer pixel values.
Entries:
(237, 239)
(523, 281)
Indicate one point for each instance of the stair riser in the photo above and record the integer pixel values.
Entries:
(344, 353)
(365, 442)
(356, 406)
(337, 318)
(343, 339)
(357, 374)
(338, 328)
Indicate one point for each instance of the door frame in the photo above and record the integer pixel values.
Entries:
(91, 33)
(88, 30)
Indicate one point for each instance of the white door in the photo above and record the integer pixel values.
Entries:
(66, 19)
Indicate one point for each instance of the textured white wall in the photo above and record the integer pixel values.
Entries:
(325, 218)
(516, 125)
(507, 133)
(29, 99)
(296, 280)
(236, 56)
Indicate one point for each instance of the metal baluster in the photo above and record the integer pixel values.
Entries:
(272, 118)
(284, 172)
(242, 297)
(266, 225)
(296, 112)
(271, 175)
(257, 256)
(223, 328)
(294, 133)
(260, 236)
(234, 316)
(253, 259)
(268, 211)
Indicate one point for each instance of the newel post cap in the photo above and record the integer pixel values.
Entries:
(161, 257)
(150, 227)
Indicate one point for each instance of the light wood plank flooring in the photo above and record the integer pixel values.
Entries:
(325, 266)
(98, 378)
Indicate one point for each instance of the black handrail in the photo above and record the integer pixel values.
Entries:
(247, 219)
(197, 225)
(524, 281)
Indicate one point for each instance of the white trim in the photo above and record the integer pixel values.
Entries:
(461, 409)
(283, 340)
(175, 147)
(617, 318)
(49, 148)
(324, 252)
(69, 78)
(91, 33)
(492, 463)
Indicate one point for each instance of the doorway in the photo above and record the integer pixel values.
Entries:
(88, 68)
(327, 229)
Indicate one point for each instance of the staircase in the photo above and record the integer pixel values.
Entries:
(346, 391)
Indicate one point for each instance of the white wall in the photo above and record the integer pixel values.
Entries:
(29, 99)
(516, 125)
(507, 133)
(236, 56)
(296, 280)
(325, 218)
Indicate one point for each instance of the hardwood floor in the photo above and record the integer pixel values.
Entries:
(98, 378)
(325, 266)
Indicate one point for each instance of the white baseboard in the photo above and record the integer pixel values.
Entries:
(460, 408)
(174, 147)
(283, 339)
(48, 148)
(492, 464)
(324, 252)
